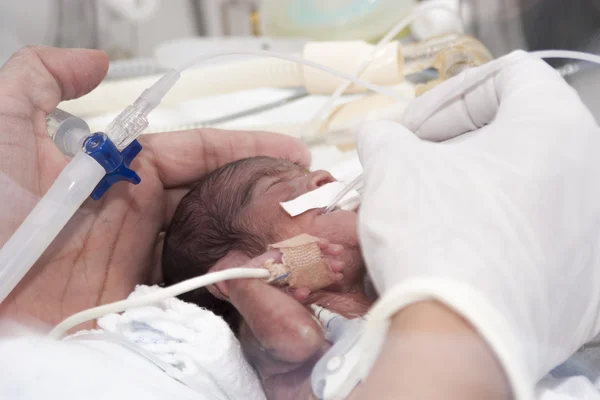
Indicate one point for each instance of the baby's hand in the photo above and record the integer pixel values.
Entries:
(332, 253)
(308, 264)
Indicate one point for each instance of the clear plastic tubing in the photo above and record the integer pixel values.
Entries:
(322, 114)
(355, 184)
(456, 86)
(72, 187)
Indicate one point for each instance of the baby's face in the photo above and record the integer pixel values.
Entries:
(339, 227)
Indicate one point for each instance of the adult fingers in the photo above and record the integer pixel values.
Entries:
(285, 329)
(43, 76)
(181, 158)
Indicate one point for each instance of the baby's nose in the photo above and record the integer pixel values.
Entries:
(317, 179)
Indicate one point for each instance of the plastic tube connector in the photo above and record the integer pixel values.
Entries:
(132, 121)
(67, 131)
(115, 163)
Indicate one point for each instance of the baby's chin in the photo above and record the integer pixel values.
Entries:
(338, 227)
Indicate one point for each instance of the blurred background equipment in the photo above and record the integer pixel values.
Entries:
(144, 37)
(332, 19)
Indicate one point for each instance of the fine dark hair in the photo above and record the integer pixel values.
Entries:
(209, 223)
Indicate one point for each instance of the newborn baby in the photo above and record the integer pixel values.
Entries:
(236, 210)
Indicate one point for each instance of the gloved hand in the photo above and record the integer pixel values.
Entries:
(501, 224)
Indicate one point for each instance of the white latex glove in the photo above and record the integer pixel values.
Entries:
(501, 224)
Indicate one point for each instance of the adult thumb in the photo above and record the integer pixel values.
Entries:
(44, 76)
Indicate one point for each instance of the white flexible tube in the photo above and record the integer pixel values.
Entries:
(166, 293)
(567, 54)
(457, 86)
(299, 60)
(282, 71)
(322, 114)
(210, 80)
(72, 187)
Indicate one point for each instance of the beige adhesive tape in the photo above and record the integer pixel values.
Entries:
(303, 262)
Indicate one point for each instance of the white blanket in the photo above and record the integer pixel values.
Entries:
(167, 350)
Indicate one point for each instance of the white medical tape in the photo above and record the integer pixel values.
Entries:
(321, 197)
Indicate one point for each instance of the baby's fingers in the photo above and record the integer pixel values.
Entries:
(300, 294)
(335, 264)
(329, 248)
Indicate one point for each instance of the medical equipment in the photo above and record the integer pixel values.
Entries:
(387, 63)
(417, 56)
(331, 376)
(332, 19)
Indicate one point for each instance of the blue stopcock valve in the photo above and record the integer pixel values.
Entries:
(115, 163)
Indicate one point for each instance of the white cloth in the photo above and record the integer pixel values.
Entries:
(170, 350)
(198, 345)
(35, 367)
(501, 224)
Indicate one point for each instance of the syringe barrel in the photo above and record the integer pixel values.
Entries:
(67, 131)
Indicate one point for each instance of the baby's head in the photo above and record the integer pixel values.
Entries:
(236, 209)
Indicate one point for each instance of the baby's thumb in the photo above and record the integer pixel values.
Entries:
(376, 137)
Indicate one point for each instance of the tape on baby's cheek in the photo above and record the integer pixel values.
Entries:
(321, 197)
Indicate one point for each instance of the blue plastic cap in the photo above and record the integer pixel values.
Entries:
(115, 163)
